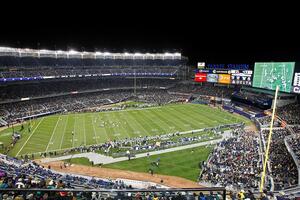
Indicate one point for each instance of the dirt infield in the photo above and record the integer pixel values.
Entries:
(170, 181)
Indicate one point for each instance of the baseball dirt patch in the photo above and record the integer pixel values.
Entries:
(101, 172)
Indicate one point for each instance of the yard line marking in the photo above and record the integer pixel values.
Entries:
(29, 137)
(52, 134)
(84, 130)
(94, 130)
(73, 133)
(64, 132)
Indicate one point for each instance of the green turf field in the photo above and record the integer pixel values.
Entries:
(54, 133)
(183, 163)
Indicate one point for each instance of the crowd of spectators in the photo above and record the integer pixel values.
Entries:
(235, 162)
(290, 113)
(27, 174)
(253, 97)
(78, 72)
(283, 168)
(76, 61)
(294, 142)
(205, 89)
(42, 89)
(296, 129)
(266, 121)
(59, 96)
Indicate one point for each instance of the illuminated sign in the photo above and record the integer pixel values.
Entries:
(215, 71)
(224, 78)
(201, 65)
(297, 79)
(228, 66)
(296, 89)
(200, 77)
(241, 77)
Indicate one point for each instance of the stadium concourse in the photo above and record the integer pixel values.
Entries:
(36, 84)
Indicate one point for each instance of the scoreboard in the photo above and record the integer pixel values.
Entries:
(296, 83)
(224, 76)
(266, 75)
(297, 79)
(241, 77)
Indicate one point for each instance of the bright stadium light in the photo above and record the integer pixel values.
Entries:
(72, 51)
(59, 51)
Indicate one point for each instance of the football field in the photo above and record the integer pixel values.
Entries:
(63, 131)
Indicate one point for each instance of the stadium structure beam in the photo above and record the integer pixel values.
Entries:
(262, 181)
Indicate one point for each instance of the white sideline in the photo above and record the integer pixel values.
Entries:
(29, 137)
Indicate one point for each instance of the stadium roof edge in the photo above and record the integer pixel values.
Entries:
(26, 52)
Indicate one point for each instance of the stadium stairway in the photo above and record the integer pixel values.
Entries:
(2, 122)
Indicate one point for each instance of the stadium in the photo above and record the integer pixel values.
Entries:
(101, 125)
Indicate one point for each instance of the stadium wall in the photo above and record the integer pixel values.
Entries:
(241, 112)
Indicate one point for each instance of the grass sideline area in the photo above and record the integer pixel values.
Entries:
(182, 163)
(63, 131)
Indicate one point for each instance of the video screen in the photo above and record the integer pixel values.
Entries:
(212, 78)
(269, 75)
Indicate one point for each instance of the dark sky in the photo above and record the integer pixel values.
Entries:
(213, 36)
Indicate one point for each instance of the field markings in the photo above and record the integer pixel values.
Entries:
(29, 137)
(64, 132)
(161, 122)
(126, 125)
(115, 133)
(137, 123)
(144, 122)
(104, 128)
(73, 132)
(84, 130)
(147, 123)
(50, 141)
(92, 118)
(184, 115)
(191, 114)
(213, 115)
(152, 124)
(166, 119)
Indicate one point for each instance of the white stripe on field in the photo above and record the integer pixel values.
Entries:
(62, 139)
(29, 137)
(50, 141)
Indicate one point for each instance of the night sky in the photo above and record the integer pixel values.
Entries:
(197, 35)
